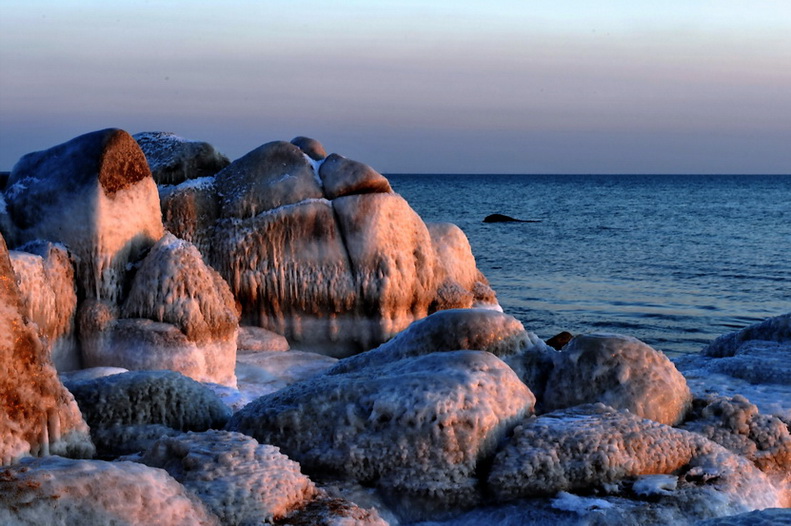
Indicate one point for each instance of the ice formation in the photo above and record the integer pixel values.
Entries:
(190, 210)
(174, 159)
(341, 176)
(46, 283)
(95, 194)
(777, 329)
(256, 339)
(127, 412)
(62, 492)
(415, 427)
(619, 371)
(767, 517)
(593, 445)
(38, 416)
(241, 481)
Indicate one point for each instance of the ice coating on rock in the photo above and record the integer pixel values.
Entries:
(418, 426)
(619, 371)
(264, 372)
(173, 159)
(239, 480)
(61, 492)
(256, 339)
(190, 210)
(777, 329)
(765, 517)
(38, 416)
(594, 445)
(449, 330)
(341, 176)
(45, 277)
(129, 411)
(95, 194)
(391, 257)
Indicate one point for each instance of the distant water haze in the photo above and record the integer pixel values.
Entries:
(672, 260)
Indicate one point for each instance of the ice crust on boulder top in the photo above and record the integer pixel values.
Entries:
(127, 412)
(594, 445)
(190, 210)
(619, 371)
(38, 416)
(45, 277)
(777, 329)
(450, 330)
(95, 194)
(239, 480)
(341, 176)
(173, 159)
(61, 492)
(418, 426)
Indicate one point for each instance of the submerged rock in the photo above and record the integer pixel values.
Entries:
(417, 427)
(38, 416)
(621, 372)
(173, 159)
(59, 491)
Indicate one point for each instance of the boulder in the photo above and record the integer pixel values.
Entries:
(619, 371)
(310, 147)
(173, 159)
(96, 195)
(38, 416)
(190, 210)
(417, 427)
(560, 340)
(594, 446)
(777, 329)
(127, 412)
(255, 339)
(341, 176)
(45, 277)
(239, 480)
(765, 517)
(59, 492)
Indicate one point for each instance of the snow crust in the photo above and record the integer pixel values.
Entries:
(619, 371)
(62, 492)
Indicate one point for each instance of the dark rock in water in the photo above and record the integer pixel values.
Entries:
(559, 341)
(341, 176)
(500, 218)
(174, 159)
(4, 180)
(311, 147)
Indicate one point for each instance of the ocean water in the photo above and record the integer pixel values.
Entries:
(673, 260)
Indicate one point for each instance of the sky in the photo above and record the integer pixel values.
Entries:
(498, 86)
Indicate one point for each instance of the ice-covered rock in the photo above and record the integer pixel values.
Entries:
(777, 329)
(310, 147)
(96, 195)
(765, 517)
(333, 511)
(173, 159)
(128, 412)
(46, 283)
(189, 211)
(256, 339)
(241, 481)
(341, 176)
(61, 492)
(38, 416)
(417, 427)
(619, 371)
(264, 372)
(595, 446)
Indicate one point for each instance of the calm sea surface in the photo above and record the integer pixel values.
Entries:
(672, 260)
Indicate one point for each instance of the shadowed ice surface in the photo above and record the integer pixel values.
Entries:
(673, 260)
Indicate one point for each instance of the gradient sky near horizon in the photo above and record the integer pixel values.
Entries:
(504, 86)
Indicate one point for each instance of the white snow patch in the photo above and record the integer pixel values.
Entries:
(579, 505)
(316, 165)
(648, 485)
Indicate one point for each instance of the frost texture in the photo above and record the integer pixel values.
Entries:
(174, 159)
(95, 194)
(38, 416)
(62, 492)
(240, 480)
(127, 412)
(418, 426)
(190, 210)
(46, 283)
(593, 445)
(619, 371)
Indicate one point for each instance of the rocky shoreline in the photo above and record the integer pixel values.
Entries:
(282, 339)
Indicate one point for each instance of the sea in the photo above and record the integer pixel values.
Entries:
(673, 260)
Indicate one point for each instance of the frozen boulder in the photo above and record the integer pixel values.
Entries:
(60, 492)
(38, 416)
(173, 159)
(45, 277)
(310, 147)
(777, 329)
(128, 412)
(621, 372)
(189, 211)
(239, 480)
(341, 176)
(333, 511)
(765, 517)
(255, 339)
(594, 446)
(96, 195)
(271, 176)
(417, 427)
(264, 372)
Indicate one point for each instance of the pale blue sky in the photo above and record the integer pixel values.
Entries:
(499, 86)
